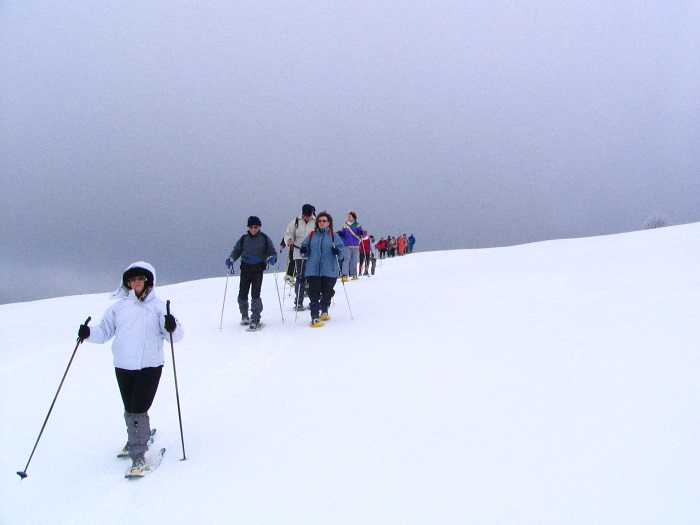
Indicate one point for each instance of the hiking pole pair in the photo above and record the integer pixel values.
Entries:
(23, 473)
(291, 284)
(293, 266)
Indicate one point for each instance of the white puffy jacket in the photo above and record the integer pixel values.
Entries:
(137, 327)
(297, 231)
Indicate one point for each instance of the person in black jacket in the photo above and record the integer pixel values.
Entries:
(256, 250)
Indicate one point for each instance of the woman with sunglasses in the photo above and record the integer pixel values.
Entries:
(139, 323)
(321, 249)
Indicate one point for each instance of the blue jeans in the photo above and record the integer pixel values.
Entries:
(352, 259)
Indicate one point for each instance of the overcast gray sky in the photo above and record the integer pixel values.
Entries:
(151, 130)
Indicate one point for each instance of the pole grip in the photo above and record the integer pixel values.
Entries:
(167, 306)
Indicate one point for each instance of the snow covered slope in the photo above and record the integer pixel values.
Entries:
(548, 383)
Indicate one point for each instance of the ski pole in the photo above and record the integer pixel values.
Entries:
(23, 473)
(224, 304)
(279, 299)
(346, 294)
(177, 393)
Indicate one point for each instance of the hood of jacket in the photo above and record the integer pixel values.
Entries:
(124, 290)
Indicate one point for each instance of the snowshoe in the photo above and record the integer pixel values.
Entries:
(142, 467)
(255, 325)
(138, 468)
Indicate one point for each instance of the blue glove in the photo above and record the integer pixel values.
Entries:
(272, 260)
(229, 262)
(335, 251)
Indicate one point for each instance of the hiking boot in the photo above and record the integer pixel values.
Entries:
(254, 324)
(344, 278)
(316, 323)
(245, 320)
(325, 316)
(299, 308)
(354, 278)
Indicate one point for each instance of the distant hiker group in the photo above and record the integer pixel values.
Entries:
(393, 246)
(318, 254)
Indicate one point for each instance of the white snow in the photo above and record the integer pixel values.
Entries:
(549, 383)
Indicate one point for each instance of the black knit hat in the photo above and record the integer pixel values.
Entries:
(253, 221)
(307, 210)
(135, 272)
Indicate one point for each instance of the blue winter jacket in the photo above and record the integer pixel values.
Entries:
(316, 248)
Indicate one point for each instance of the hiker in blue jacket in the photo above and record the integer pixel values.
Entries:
(321, 249)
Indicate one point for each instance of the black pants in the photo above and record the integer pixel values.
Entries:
(250, 280)
(290, 260)
(138, 387)
(320, 293)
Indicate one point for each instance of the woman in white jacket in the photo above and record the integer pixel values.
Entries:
(139, 324)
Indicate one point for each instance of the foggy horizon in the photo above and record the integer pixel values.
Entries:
(132, 131)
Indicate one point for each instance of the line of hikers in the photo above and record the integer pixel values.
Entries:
(392, 246)
(318, 255)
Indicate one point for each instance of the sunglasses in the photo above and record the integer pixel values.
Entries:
(322, 220)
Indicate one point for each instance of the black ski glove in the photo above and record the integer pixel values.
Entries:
(170, 323)
(83, 332)
(335, 251)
